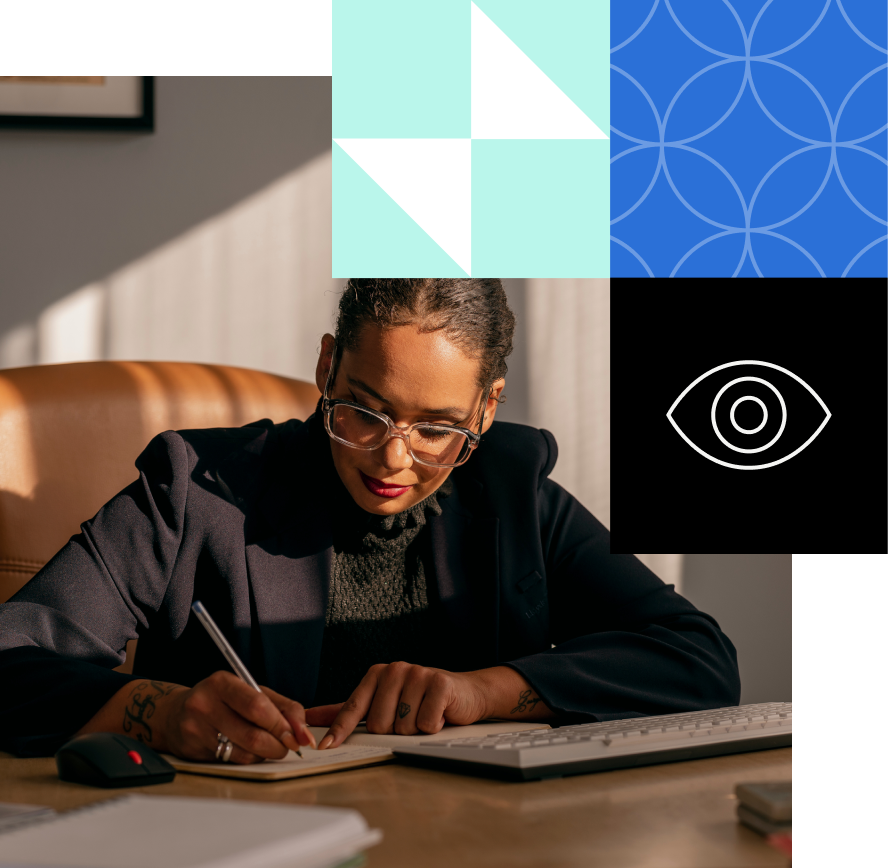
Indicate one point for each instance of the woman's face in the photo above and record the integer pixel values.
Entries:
(410, 377)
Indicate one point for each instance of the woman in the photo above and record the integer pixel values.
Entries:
(397, 557)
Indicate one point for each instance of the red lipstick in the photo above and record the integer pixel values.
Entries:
(383, 489)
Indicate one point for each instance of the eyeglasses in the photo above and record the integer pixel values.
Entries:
(431, 444)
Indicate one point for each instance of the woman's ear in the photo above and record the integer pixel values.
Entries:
(493, 402)
(325, 359)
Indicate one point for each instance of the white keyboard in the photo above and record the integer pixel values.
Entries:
(590, 747)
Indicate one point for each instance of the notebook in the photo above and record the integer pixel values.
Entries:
(361, 748)
(176, 832)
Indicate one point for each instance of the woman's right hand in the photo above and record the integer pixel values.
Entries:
(260, 725)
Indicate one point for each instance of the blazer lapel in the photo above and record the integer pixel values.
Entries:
(290, 566)
(466, 573)
(290, 589)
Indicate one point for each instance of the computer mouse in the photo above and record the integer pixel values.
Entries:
(104, 759)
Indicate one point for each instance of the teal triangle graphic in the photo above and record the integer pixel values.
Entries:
(374, 236)
(569, 40)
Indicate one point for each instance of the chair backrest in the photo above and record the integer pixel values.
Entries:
(69, 435)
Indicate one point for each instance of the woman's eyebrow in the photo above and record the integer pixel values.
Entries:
(455, 413)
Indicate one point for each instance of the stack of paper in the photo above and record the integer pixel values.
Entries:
(176, 832)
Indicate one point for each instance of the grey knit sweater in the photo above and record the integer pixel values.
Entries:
(378, 609)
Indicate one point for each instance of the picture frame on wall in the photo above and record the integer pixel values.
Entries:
(118, 102)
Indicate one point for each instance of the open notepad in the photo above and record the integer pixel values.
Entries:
(175, 832)
(361, 748)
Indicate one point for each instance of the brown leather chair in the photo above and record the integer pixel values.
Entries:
(69, 435)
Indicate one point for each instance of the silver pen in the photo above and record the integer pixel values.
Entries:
(222, 643)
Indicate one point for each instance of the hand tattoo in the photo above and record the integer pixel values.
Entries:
(142, 706)
(403, 710)
(525, 702)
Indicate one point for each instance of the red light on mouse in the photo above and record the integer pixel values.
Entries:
(136, 758)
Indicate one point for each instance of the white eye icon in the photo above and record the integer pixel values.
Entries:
(751, 395)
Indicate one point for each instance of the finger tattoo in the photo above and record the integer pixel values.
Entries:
(403, 710)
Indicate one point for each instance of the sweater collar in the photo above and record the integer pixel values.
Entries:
(352, 519)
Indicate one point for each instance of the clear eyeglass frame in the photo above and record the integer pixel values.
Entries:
(328, 405)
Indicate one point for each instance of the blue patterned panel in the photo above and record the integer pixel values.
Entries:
(749, 138)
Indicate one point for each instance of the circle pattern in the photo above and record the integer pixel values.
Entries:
(764, 117)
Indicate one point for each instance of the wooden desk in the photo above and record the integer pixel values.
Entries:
(680, 815)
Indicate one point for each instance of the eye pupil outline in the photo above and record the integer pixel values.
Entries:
(775, 438)
(710, 372)
(764, 414)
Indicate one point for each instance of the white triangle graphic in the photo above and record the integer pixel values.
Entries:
(431, 179)
(512, 98)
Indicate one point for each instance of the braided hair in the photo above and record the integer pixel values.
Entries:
(473, 313)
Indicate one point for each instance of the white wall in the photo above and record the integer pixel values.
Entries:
(208, 240)
(750, 595)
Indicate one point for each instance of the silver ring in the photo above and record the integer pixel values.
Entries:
(222, 741)
(226, 754)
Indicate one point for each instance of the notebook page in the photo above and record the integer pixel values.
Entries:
(179, 832)
(310, 757)
(360, 748)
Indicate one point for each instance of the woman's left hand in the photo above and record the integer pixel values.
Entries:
(403, 698)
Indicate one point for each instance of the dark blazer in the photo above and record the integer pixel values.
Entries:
(241, 519)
